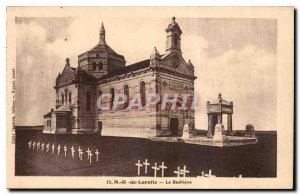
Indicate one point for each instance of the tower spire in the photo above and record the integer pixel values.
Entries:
(173, 37)
(102, 34)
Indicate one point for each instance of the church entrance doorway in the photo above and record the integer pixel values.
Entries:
(174, 126)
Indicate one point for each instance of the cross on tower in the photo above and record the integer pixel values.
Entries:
(139, 165)
(146, 165)
(163, 167)
(155, 168)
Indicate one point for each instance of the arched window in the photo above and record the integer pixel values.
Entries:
(62, 98)
(66, 96)
(100, 94)
(112, 97)
(94, 66)
(126, 94)
(143, 93)
(100, 65)
(70, 97)
(88, 102)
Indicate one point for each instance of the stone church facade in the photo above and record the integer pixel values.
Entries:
(101, 70)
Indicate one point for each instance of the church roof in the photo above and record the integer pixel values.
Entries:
(220, 100)
(85, 76)
(126, 69)
(223, 102)
(63, 108)
(48, 115)
(103, 47)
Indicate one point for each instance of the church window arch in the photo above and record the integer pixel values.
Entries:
(143, 92)
(126, 94)
(94, 66)
(112, 97)
(62, 98)
(70, 97)
(100, 65)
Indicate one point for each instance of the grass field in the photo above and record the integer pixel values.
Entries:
(119, 155)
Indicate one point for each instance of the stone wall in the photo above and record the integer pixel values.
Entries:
(170, 84)
(133, 122)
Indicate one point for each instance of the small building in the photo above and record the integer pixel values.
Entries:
(101, 70)
(215, 111)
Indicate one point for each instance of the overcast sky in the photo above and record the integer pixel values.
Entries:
(235, 57)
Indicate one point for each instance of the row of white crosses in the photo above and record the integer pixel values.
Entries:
(41, 146)
(209, 175)
(161, 167)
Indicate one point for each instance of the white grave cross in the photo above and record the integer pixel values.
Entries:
(90, 157)
(47, 146)
(139, 165)
(38, 145)
(53, 148)
(88, 154)
(65, 149)
(163, 167)
(178, 172)
(58, 149)
(79, 150)
(73, 151)
(184, 171)
(33, 145)
(146, 164)
(155, 168)
(42, 146)
(29, 144)
(97, 155)
(80, 154)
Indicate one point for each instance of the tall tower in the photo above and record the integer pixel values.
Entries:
(101, 59)
(173, 37)
(102, 35)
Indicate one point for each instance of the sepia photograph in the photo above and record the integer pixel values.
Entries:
(150, 98)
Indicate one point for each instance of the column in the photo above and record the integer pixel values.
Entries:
(229, 122)
(210, 130)
(220, 118)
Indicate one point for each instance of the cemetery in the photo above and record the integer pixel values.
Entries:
(89, 155)
(158, 170)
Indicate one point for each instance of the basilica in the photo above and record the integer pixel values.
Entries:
(102, 70)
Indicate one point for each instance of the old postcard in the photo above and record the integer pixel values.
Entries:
(150, 97)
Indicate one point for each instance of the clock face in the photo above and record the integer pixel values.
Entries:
(175, 61)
